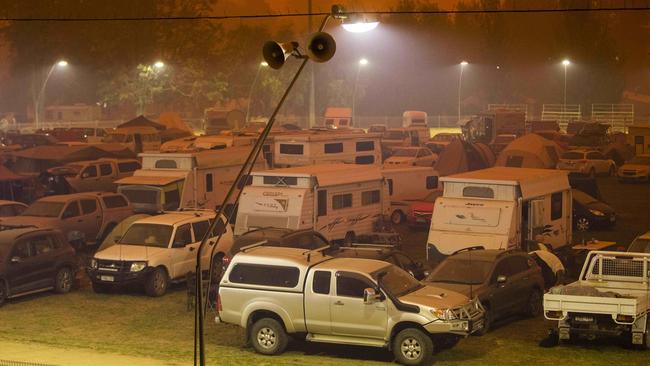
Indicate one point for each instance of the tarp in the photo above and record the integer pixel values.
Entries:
(461, 156)
(530, 151)
(142, 121)
(40, 158)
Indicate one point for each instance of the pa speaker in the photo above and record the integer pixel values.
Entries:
(321, 47)
(273, 54)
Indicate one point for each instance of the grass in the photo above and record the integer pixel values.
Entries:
(161, 328)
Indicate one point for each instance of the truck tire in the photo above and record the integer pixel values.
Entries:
(268, 337)
(397, 217)
(412, 346)
(156, 283)
(582, 224)
(63, 280)
(534, 304)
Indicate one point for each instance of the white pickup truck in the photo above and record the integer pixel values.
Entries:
(611, 297)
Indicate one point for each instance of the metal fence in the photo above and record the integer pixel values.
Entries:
(563, 113)
(618, 116)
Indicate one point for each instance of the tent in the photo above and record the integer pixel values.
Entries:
(172, 120)
(530, 151)
(142, 121)
(461, 156)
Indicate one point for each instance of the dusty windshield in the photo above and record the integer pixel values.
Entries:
(640, 246)
(396, 281)
(139, 195)
(461, 271)
(44, 209)
(151, 235)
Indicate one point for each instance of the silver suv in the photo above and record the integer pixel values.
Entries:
(273, 292)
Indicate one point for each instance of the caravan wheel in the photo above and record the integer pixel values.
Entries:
(397, 217)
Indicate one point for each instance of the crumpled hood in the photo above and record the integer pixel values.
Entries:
(435, 297)
(130, 252)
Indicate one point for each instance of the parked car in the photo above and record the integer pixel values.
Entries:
(157, 250)
(420, 211)
(307, 239)
(589, 212)
(386, 253)
(641, 244)
(276, 292)
(418, 156)
(500, 142)
(637, 169)
(11, 208)
(506, 282)
(440, 141)
(34, 260)
(87, 176)
(586, 162)
(84, 218)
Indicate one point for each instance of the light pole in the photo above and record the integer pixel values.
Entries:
(566, 64)
(362, 62)
(460, 83)
(250, 93)
(39, 97)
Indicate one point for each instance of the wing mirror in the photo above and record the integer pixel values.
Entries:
(501, 280)
(16, 260)
(370, 296)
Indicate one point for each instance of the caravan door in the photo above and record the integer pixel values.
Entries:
(535, 219)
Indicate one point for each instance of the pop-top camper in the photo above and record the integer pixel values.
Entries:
(341, 201)
(501, 208)
(169, 181)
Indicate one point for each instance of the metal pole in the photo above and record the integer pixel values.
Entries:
(39, 97)
(460, 80)
(564, 104)
(312, 90)
(354, 94)
(250, 93)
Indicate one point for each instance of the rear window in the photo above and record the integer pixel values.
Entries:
(115, 201)
(478, 192)
(129, 166)
(288, 181)
(365, 146)
(88, 206)
(264, 275)
(573, 155)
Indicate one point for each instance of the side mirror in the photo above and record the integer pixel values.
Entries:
(85, 175)
(501, 280)
(370, 296)
(16, 260)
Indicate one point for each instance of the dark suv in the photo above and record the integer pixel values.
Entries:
(386, 253)
(506, 282)
(34, 260)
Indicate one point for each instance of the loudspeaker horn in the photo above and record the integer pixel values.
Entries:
(276, 53)
(321, 47)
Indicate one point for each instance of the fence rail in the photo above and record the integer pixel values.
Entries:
(618, 116)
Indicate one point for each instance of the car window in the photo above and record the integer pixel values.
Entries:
(200, 228)
(71, 210)
(219, 228)
(88, 206)
(115, 201)
(21, 250)
(321, 284)
(128, 166)
(501, 269)
(592, 156)
(41, 244)
(265, 275)
(89, 172)
(518, 264)
(105, 169)
(349, 286)
(183, 236)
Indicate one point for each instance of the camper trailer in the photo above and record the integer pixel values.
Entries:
(501, 208)
(138, 139)
(486, 126)
(216, 120)
(318, 146)
(338, 117)
(171, 181)
(405, 185)
(414, 118)
(341, 201)
(209, 142)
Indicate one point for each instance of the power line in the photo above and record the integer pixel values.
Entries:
(295, 15)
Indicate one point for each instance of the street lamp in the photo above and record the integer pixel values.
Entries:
(159, 65)
(460, 81)
(566, 64)
(362, 62)
(250, 93)
(39, 97)
(359, 24)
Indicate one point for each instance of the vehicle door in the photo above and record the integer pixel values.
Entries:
(350, 316)
(44, 257)
(107, 176)
(91, 218)
(317, 302)
(200, 228)
(71, 221)
(502, 294)
(21, 269)
(183, 253)
(88, 179)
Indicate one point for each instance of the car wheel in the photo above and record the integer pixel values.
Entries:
(100, 288)
(412, 347)
(582, 224)
(157, 282)
(592, 173)
(4, 292)
(63, 280)
(487, 322)
(397, 217)
(269, 337)
(534, 305)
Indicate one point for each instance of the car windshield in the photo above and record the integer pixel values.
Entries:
(141, 195)
(406, 152)
(461, 271)
(396, 281)
(573, 155)
(582, 197)
(150, 235)
(641, 160)
(394, 135)
(640, 245)
(44, 209)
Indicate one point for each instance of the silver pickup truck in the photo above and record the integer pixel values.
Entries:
(611, 297)
(273, 292)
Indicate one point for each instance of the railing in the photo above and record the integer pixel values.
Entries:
(563, 113)
(618, 116)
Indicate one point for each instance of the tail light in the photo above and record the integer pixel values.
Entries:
(225, 261)
(624, 318)
(554, 314)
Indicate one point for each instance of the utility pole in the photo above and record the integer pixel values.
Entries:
(312, 97)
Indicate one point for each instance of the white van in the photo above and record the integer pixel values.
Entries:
(341, 201)
(323, 146)
(169, 181)
(501, 208)
(408, 184)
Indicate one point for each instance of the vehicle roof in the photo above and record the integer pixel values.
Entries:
(326, 135)
(294, 256)
(329, 174)
(71, 196)
(6, 202)
(8, 236)
(354, 264)
(117, 160)
(174, 218)
(507, 175)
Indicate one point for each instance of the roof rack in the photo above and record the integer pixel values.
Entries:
(309, 252)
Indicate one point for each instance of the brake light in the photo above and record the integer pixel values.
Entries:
(554, 314)
(225, 261)
(624, 318)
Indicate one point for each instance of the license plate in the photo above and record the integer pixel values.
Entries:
(584, 319)
(107, 278)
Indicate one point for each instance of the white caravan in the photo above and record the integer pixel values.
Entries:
(171, 181)
(341, 201)
(326, 146)
(408, 184)
(501, 208)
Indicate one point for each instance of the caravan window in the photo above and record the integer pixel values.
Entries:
(432, 182)
(334, 148)
(166, 164)
(390, 186)
(208, 182)
(322, 203)
(340, 201)
(370, 197)
(368, 159)
(292, 149)
(556, 205)
(478, 192)
(365, 146)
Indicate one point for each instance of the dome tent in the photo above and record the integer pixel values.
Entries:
(530, 151)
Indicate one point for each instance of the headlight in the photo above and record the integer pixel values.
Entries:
(597, 213)
(93, 263)
(438, 313)
(138, 266)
